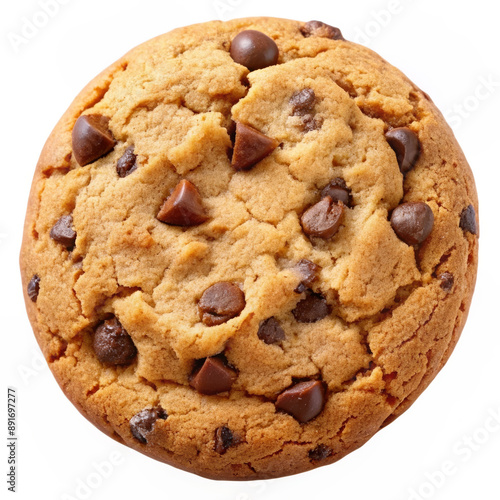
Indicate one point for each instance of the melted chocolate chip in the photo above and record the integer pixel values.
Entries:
(406, 145)
(112, 344)
(33, 288)
(221, 302)
(183, 207)
(311, 309)
(323, 219)
(250, 147)
(447, 281)
(127, 163)
(311, 122)
(468, 220)
(317, 28)
(142, 423)
(213, 377)
(224, 439)
(304, 400)
(309, 273)
(320, 452)
(91, 138)
(63, 232)
(254, 50)
(270, 331)
(337, 190)
(303, 102)
(412, 222)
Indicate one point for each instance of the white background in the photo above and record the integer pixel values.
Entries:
(450, 49)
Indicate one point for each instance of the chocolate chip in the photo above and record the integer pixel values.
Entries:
(320, 452)
(142, 423)
(91, 138)
(231, 131)
(323, 219)
(254, 50)
(309, 272)
(213, 377)
(304, 400)
(250, 147)
(301, 288)
(221, 302)
(127, 163)
(447, 281)
(468, 220)
(183, 207)
(311, 122)
(406, 145)
(63, 232)
(303, 102)
(270, 331)
(412, 222)
(112, 344)
(33, 288)
(224, 439)
(337, 190)
(317, 28)
(311, 309)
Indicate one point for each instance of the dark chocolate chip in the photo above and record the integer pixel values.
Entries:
(323, 219)
(412, 222)
(221, 302)
(304, 400)
(254, 50)
(91, 138)
(311, 309)
(317, 28)
(183, 207)
(33, 288)
(270, 331)
(337, 190)
(231, 131)
(320, 452)
(468, 220)
(213, 377)
(447, 281)
(303, 102)
(142, 423)
(250, 147)
(112, 344)
(406, 145)
(224, 439)
(301, 288)
(309, 273)
(63, 232)
(127, 163)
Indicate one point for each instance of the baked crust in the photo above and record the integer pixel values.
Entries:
(392, 326)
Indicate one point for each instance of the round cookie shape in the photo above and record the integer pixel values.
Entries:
(249, 246)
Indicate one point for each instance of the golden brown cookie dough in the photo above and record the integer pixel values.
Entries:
(252, 311)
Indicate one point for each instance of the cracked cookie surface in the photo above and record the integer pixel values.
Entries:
(245, 265)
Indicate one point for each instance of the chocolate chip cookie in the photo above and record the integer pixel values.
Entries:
(249, 246)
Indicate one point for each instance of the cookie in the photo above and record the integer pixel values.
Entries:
(249, 246)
